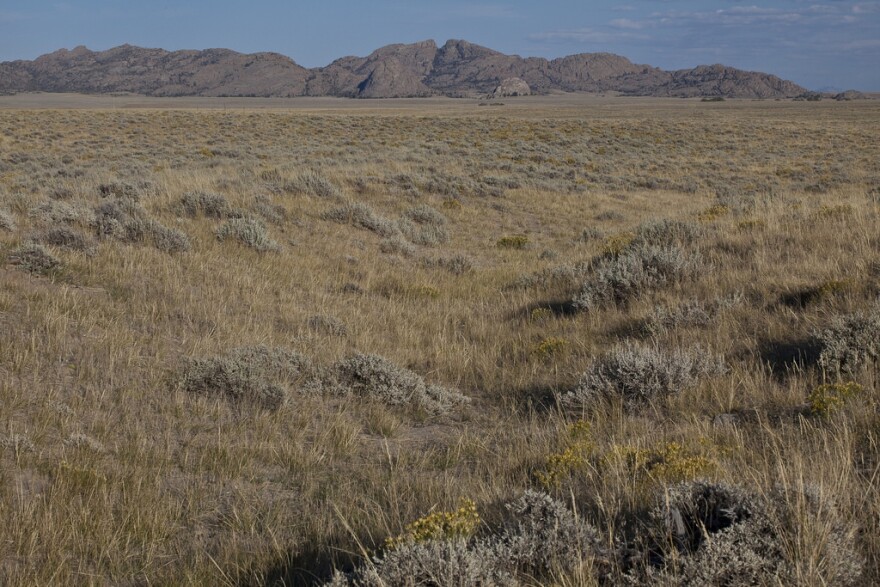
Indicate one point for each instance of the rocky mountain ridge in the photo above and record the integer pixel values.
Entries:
(457, 69)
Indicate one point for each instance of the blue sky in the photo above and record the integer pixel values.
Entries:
(816, 43)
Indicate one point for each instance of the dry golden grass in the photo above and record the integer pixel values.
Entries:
(113, 474)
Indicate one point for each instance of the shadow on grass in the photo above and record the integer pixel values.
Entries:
(557, 308)
(311, 566)
(536, 398)
(784, 356)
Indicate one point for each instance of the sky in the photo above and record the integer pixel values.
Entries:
(820, 44)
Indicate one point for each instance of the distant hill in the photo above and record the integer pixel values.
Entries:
(458, 68)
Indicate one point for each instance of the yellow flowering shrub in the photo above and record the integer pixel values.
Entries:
(829, 398)
(460, 523)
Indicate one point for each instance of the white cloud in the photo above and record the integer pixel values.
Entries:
(625, 23)
(587, 35)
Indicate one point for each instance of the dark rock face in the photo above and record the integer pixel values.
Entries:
(458, 68)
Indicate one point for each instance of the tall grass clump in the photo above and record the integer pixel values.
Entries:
(640, 374)
(250, 232)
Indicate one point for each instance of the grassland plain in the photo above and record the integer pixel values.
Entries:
(251, 346)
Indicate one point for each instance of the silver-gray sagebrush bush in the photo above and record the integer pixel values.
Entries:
(704, 533)
(666, 232)
(640, 374)
(34, 259)
(542, 536)
(435, 563)
(424, 225)
(207, 204)
(7, 222)
(124, 219)
(250, 232)
(689, 314)
(541, 539)
(65, 238)
(258, 375)
(620, 278)
(851, 342)
(313, 183)
(361, 215)
(376, 378)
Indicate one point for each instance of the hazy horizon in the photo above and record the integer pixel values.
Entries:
(831, 44)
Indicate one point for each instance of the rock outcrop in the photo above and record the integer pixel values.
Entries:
(458, 68)
(512, 87)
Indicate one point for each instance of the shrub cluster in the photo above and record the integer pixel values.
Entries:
(7, 222)
(35, 259)
(376, 378)
(249, 375)
(314, 184)
(424, 225)
(541, 537)
(362, 216)
(124, 219)
(851, 342)
(65, 238)
(619, 278)
(640, 374)
(211, 205)
(250, 232)
(718, 534)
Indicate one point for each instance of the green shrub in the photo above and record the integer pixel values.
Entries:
(829, 398)
(518, 242)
